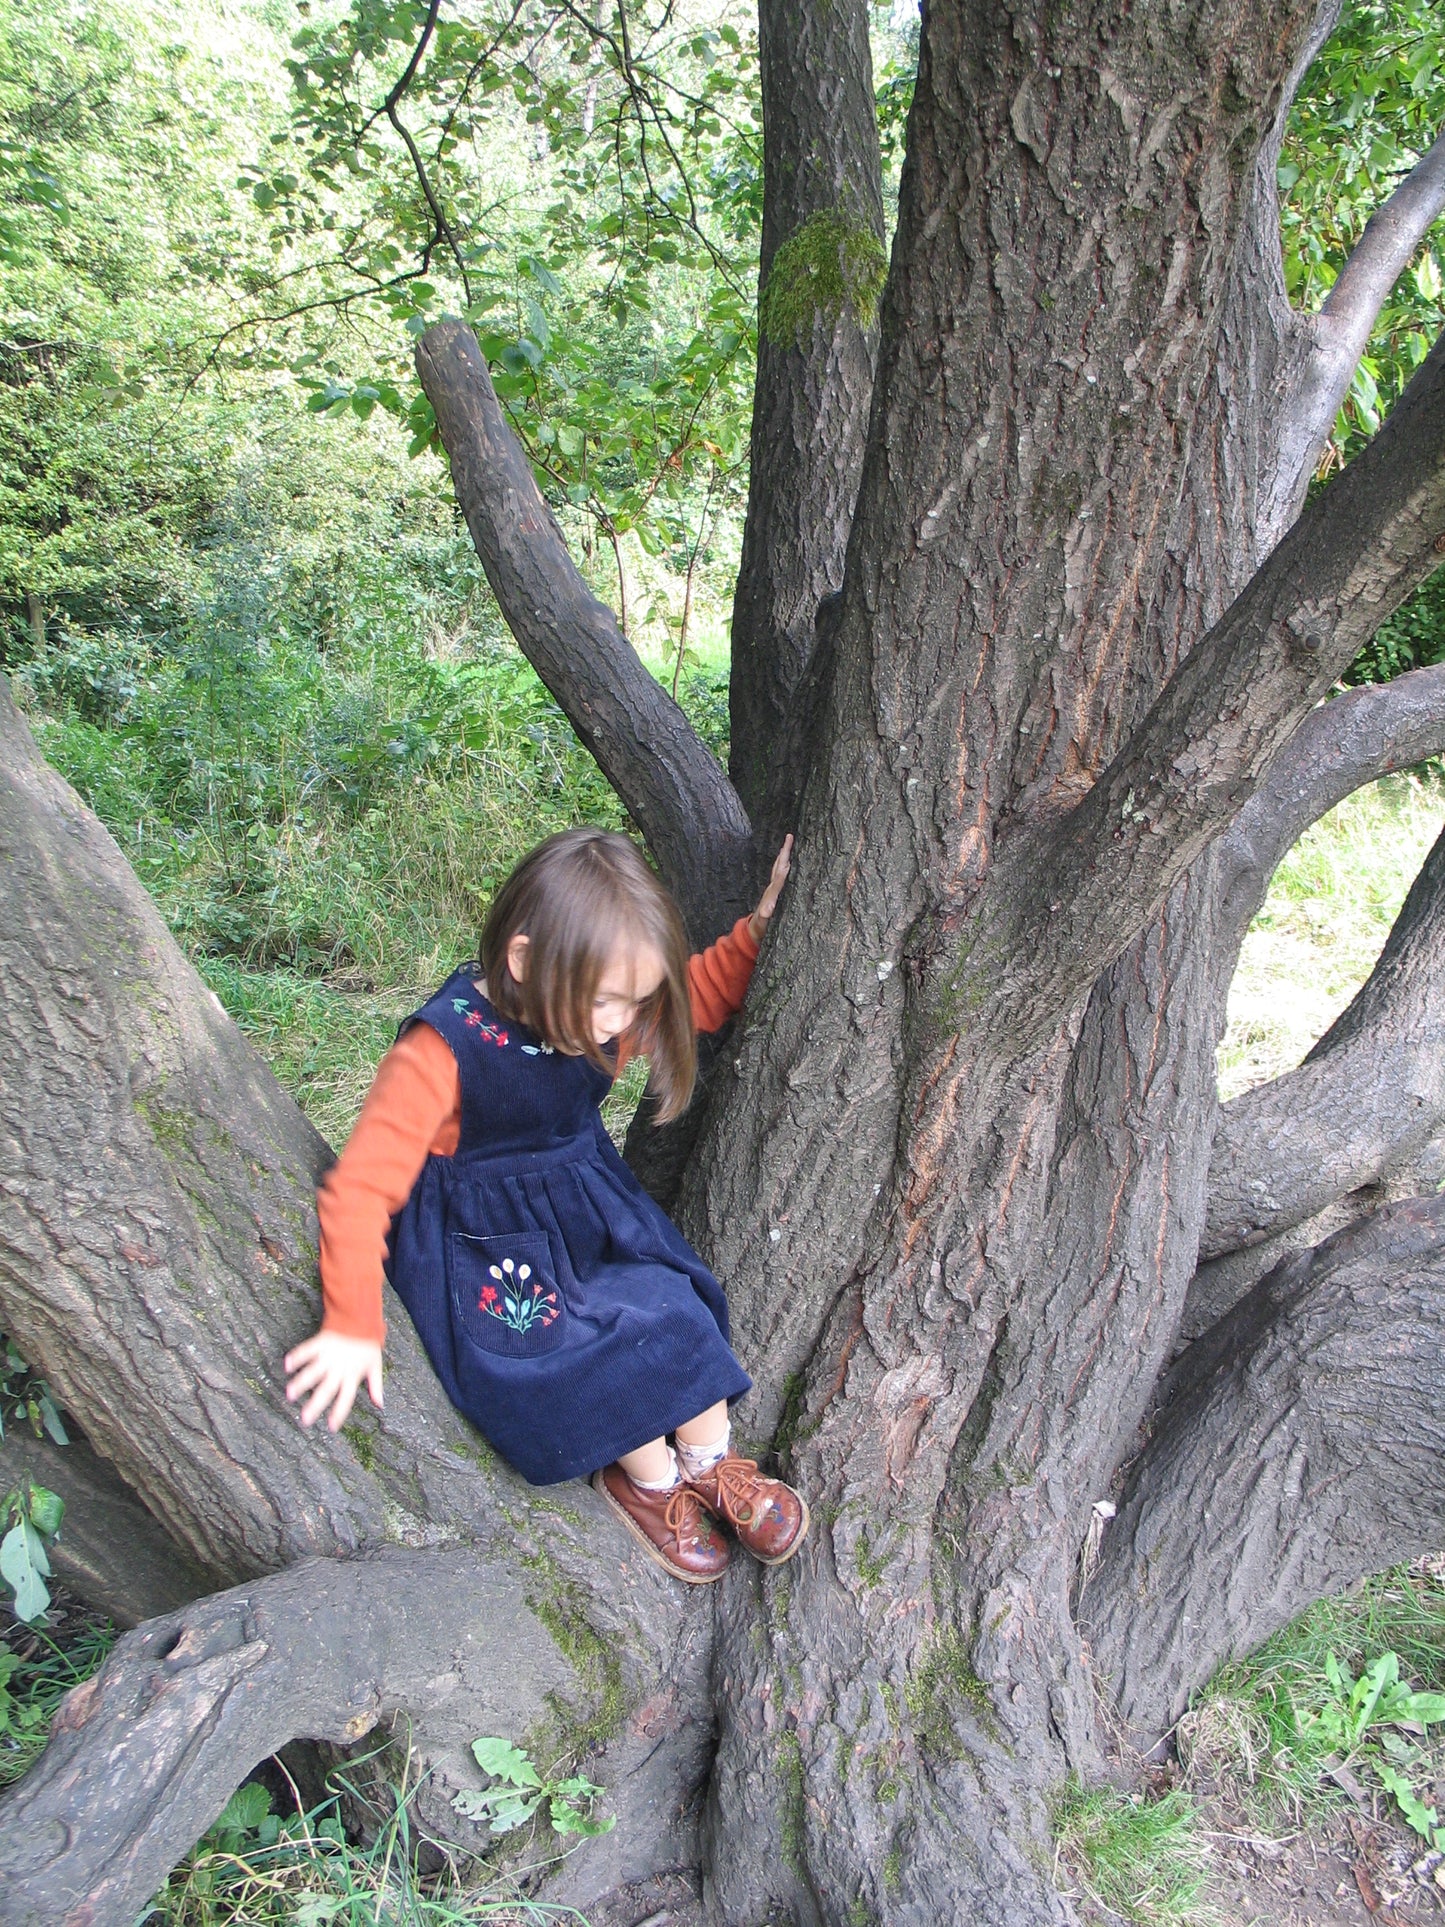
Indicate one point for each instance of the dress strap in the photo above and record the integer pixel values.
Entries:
(473, 1031)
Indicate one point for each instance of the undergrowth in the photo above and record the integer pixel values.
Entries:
(259, 1868)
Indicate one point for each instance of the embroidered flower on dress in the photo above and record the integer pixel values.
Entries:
(518, 1311)
(474, 1020)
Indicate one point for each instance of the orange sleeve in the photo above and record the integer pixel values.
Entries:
(718, 978)
(414, 1106)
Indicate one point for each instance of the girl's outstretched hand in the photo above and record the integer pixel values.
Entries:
(330, 1367)
(768, 902)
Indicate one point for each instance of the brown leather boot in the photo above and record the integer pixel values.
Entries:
(673, 1527)
(769, 1518)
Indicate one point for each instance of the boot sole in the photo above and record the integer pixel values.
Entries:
(653, 1551)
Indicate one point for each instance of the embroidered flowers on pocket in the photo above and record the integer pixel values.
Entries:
(517, 1298)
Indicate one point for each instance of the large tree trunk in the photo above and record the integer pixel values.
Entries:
(956, 1163)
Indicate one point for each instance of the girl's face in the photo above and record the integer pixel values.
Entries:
(631, 975)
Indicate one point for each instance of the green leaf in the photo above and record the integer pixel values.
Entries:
(569, 1819)
(46, 1510)
(247, 1807)
(51, 1420)
(505, 1762)
(24, 1566)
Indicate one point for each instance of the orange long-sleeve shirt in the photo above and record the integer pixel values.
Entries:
(413, 1109)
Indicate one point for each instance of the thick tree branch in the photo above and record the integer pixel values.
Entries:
(143, 1757)
(668, 779)
(1351, 740)
(1368, 1097)
(1342, 327)
(1352, 558)
(1299, 1447)
(810, 414)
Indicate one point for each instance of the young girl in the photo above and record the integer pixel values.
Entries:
(564, 1313)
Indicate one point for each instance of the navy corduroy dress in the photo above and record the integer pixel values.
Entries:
(563, 1311)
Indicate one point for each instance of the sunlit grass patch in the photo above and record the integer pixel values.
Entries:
(1128, 1857)
(1323, 924)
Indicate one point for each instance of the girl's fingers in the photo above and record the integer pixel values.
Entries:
(301, 1354)
(320, 1399)
(303, 1380)
(373, 1384)
(345, 1398)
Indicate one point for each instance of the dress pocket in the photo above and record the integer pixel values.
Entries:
(504, 1293)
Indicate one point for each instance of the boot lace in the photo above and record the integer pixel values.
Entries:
(739, 1489)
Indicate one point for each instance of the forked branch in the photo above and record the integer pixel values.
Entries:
(1299, 1446)
(1343, 325)
(1369, 1095)
(665, 774)
(1355, 554)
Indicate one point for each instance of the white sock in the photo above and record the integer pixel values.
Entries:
(696, 1460)
(660, 1485)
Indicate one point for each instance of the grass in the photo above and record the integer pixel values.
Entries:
(258, 1868)
(37, 1670)
(1133, 1857)
(1275, 1727)
(1328, 912)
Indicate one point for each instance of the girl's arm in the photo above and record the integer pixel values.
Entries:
(413, 1107)
(718, 977)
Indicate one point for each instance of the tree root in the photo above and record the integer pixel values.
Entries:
(1298, 1447)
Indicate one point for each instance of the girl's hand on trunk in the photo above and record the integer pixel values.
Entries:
(330, 1367)
(768, 902)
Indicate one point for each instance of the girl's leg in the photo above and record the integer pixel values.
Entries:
(709, 1428)
(650, 1464)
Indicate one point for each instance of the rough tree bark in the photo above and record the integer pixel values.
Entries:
(810, 414)
(955, 1166)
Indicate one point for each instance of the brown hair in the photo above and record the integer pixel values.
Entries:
(579, 898)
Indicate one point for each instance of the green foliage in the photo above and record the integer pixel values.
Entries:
(519, 1793)
(830, 264)
(34, 1514)
(33, 1683)
(1141, 1859)
(1367, 111)
(24, 1396)
(258, 1868)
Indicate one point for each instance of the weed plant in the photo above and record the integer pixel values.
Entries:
(256, 1868)
(1293, 1731)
